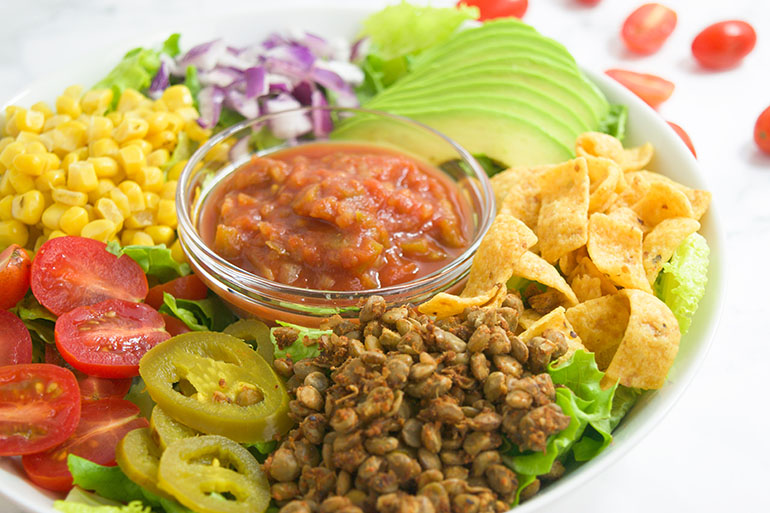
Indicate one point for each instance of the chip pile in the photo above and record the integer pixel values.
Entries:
(589, 236)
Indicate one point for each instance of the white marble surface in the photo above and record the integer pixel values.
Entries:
(711, 453)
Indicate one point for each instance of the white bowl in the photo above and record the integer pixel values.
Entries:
(672, 158)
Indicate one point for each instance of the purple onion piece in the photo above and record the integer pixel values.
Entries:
(246, 107)
(303, 92)
(291, 124)
(330, 80)
(256, 85)
(360, 49)
(274, 40)
(160, 81)
(210, 101)
(205, 56)
(239, 149)
(321, 118)
(220, 77)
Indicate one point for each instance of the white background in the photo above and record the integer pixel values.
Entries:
(712, 452)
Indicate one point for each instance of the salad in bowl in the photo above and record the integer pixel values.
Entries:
(136, 377)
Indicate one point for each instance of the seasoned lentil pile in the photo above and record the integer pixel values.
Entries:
(403, 413)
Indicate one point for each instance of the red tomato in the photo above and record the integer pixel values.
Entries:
(762, 131)
(15, 342)
(647, 28)
(686, 138)
(174, 326)
(39, 407)
(102, 425)
(650, 88)
(108, 339)
(590, 3)
(723, 45)
(91, 387)
(74, 271)
(186, 287)
(14, 275)
(490, 9)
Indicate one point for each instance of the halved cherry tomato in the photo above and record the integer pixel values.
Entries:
(647, 28)
(74, 271)
(102, 425)
(686, 138)
(174, 326)
(14, 275)
(490, 9)
(91, 387)
(723, 45)
(39, 407)
(15, 342)
(653, 89)
(762, 131)
(590, 3)
(108, 339)
(185, 287)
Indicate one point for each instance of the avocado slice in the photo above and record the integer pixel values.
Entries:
(478, 130)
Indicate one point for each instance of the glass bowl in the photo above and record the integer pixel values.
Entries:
(250, 295)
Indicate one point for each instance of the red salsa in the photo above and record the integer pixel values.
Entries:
(331, 216)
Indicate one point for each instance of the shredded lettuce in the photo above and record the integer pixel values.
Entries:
(40, 323)
(302, 347)
(154, 260)
(79, 507)
(183, 150)
(624, 399)
(135, 71)
(208, 314)
(171, 45)
(682, 282)
(614, 123)
(193, 83)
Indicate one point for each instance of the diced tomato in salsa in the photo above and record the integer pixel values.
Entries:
(330, 216)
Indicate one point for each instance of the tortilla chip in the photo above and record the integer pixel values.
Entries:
(505, 242)
(627, 216)
(586, 287)
(603, 175)
(528, 317)
(699, 199)
(659, 245)
(445, 305)
(649, 345)
(562, 224)
(568, 262)
(555, 319)
(635, 189)
(517, 193)
(600, 323)
(598, 144)
(637, 158)
(587, 268)
(662, 201)
(532, 267)
(615, 248)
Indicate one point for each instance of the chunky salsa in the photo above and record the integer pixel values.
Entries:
(332, 216)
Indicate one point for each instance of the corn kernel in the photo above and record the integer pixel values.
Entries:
(35, 147)
(28, 207)
(151, 200)
(177, 96)
(73, 135)
(160, 234)
(55, 121)
(134, 194)
(169, 190)
(114, 116)
(176, 170)
(13, 232)
(6, 189)
(96, 101)
(81, 177)
(165, 139)
(5, 208)
(51, 179)
(39, 241)
(131, 159)
(21, 182)
(100, 229)
(158, 158)
(141, 239)
(195, 132)
(131, 100)
(10, 127)
(150, 178)
(102, 189)
(43, 108)
(90, 211)
(26, 138)
(159, 106)
(30, 120)
(177, 253)
(10, 152)
(69, 159)
(142, 144)
(167, 213)
(5, 141)
(74, 91)
(127, 237)
(140, 220)
(131, 128)
(68, 105)
(104, 147)
(11, 110)
(71, 198)
(73, 220)
(29, 164)
(99, 127)
(121, 201)
(105, 167)
(177, 120)
(55, 234)
(219, 153)
(157, 122)
(52, 162)
(52, 215)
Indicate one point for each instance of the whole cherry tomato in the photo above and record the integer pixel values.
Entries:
(589, 3)
(647, 28)
(723, 45)
(490, 9)
(762, 131)
(686, 138)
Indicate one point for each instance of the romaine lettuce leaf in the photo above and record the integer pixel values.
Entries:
(171, 45)
(682, 282)
(614, 123)
(135, 71)
(625, 398)
(183, 150)
(298, 350)
(108, 482)
(208, 314)
(79, 507)
(154, 260)
(193, 84)
(40, 323)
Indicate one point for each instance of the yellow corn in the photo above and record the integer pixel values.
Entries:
(167, 213)
(150, 178)
(165, 139)
(131, 128)
(30, 120)
(39, 241)
(195, 132)
(169, 190)
(177, 253)
(142, 144)
(28, 207)
(27, 138)
(115, 116)
(157, 122)
(104, 147)
(159, 106)
(177, 96)
(176, 170)
(105, 167)
(55, 120)
(68, 105)
(103, 188)
(158, 158)
(10, 152)
(96, 101)
(73, 220)
(121, 201)
(52, 215)
(21, 182)
(151, 200)
(6, 189)
(141, 239)
(140, 220)
(72, 135)
(127, 237)
(71, 198)
(134, 194)
(34, 147)
(107, 209)
(13, 232)
(132, 160)
(43, 108)
(177, 120)
(100, 229)
(51, 179)
(10, 127)
(6, 208)
(56, 233)
(29, 164)
(73, 91)
(219, 153)
(99, 127)
(160, 234)
(130, 100)
(81, 177)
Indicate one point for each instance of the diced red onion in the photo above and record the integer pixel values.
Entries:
(321, 118)
(290, 125)
(255, 82)
(210, 100)
(160, 81)
(239, 149)
(204, 56)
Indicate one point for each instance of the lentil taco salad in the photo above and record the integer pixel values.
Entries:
(413, 271)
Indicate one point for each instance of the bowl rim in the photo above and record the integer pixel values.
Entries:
(460, 264)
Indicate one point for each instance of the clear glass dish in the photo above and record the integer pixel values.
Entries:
(250, 295)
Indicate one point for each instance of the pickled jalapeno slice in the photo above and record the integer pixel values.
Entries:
(255, 333)
(138, 457)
